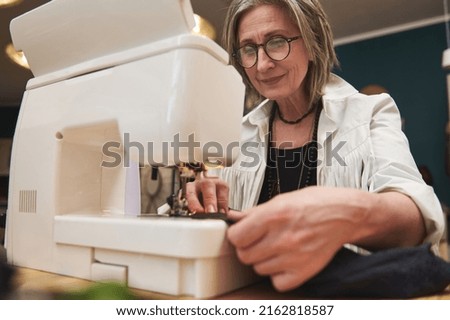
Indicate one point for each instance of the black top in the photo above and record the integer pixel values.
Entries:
(297, 167)
(291, 164)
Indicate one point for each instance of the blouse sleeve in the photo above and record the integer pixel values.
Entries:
(395, 169)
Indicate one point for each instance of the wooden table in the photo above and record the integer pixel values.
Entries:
(34, 284)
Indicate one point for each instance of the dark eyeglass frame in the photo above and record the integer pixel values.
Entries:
(256, 47)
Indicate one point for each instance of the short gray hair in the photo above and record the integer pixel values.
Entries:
(313, 24)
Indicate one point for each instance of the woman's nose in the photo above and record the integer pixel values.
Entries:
(264, 62)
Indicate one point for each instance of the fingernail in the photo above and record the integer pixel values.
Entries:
(222, 210)
(211, 208)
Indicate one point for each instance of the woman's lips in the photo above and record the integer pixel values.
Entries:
(271, 80)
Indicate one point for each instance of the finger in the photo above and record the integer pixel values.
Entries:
(287, 274)
(258, 252)
(267, 248)
(249, 229)
(285, 281)
(284, 274)
(207, 188)
(270, 266)
(235, 215)
(192, 198)
(222, 192)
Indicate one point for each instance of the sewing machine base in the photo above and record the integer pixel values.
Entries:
(160, 254)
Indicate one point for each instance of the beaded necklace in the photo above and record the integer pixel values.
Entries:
(298, 120)
(308, 158)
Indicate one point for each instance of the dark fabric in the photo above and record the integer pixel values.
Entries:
(6, 277)
(398, 273)
(212, 215)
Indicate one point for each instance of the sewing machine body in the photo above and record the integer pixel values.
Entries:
(73, 205)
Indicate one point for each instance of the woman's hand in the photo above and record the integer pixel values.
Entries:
(295, 235)
(207, 194)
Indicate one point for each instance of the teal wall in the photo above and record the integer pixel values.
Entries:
(408, 65)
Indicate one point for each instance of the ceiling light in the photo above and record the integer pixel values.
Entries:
(7, 3)
(203, 27)
(16, 56)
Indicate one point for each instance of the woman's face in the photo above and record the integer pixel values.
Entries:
(274, 79)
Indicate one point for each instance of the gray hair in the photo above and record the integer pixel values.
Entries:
(316, 32)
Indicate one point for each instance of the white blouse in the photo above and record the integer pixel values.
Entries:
(360, 145)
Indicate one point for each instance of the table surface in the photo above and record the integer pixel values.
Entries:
(34, 284)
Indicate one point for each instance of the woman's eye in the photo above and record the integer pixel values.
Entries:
(248, 50)
(276, 43)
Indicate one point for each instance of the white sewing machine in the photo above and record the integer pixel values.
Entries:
(117, 83)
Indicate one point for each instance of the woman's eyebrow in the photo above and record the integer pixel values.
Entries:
(267, 36)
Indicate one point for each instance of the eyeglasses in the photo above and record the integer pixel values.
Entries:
(276, 48)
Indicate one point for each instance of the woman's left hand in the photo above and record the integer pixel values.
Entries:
(295, 235)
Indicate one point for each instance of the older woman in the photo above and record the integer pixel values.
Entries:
(322, 166)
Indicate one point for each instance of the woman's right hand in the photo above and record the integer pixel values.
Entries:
(207, 195)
